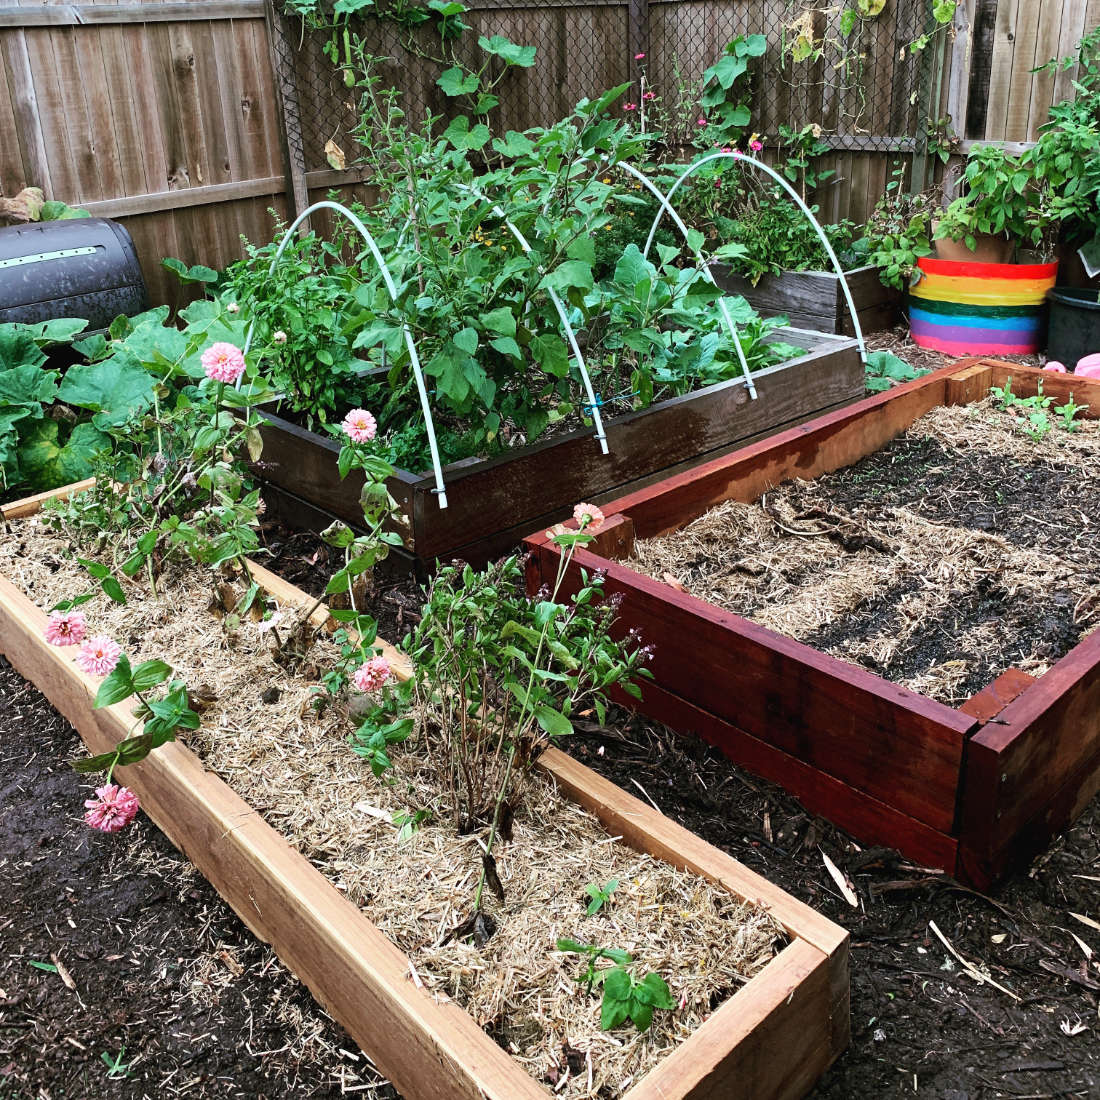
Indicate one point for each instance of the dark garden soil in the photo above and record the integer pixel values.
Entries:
(114, 944)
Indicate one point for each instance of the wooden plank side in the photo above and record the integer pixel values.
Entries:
(868, 819)
(877, 737)
(819, 446)
(737, 1051)
(429, 1049)
(1039, 741)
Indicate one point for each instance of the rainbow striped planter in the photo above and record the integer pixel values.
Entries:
(965, 308)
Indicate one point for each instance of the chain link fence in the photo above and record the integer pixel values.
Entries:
(856, 81)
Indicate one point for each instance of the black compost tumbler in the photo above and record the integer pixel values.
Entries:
(79, 267)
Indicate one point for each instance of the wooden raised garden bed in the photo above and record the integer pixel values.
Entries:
(771, 1038)
(494, 503)
(815, 300)
(974, 789)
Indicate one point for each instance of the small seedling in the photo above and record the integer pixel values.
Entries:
(117, 1069)
(600, 895)
(624, 996)
(1067, 414)
(408, 824)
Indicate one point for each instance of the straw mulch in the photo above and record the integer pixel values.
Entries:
(295, 767)
(933, 604)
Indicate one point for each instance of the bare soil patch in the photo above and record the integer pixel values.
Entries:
(959, 550)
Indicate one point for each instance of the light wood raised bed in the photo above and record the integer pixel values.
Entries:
(815, 300)
(974, 790)
(493, 503)
(773, 1038)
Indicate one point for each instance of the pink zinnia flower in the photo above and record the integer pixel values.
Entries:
(359, 426)
(372, 675)
(727, 148)
(700, 121)
(223, 362)
(99, 655)
(756, 145)
(66, 627)
(649, 95)
(639, 56)
(630, 106)
(588, 517)
(113, 808)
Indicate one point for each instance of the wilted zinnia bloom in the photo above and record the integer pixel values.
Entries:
(113, 808)
(359, 426)
(66, 628)
(588, 517)
(99, 655)
(223, 362)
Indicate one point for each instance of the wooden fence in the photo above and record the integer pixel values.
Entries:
(190, 119)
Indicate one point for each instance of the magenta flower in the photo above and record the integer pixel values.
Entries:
(639, 56)
(359, 426)
(223, 362)
(649, 95)
(588, 517)
(113, 808)
(727, 148)
(66, 628)
(99, 655)
(756, 145)
(701, 121)
(630, 106)
(371, 675)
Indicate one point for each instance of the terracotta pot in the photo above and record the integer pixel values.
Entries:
(988, 250)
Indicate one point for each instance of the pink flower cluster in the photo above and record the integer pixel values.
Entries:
(223, 362)
(589, 517)
(66, 628)
(113, 808)
(371, 675)
(359, 426)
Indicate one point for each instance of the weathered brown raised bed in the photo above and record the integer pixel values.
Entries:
(815, 300)
(974, 790)
(772, 1038)
(494, 503)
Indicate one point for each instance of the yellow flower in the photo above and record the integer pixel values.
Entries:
(606, 179)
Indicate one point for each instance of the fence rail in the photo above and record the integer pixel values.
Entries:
(190, 119)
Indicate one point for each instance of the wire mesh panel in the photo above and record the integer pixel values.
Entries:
(855, 80)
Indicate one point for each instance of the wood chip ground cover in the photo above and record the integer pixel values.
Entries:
(296, 768)
(959, 550)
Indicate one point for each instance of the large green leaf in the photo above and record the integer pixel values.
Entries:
(115, 389)
(18, 348)
(524, 56)
(29, 386)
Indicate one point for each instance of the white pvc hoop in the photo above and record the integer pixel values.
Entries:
(799, 202)
(597, 420)
(701, 264)
(440, 489)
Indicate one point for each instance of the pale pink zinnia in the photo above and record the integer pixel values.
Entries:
(66, 628)
(113, 808)
(359, 426)
(99, 655)
(371, 675)
(1054, 365)
(223, 362)
(588, 517)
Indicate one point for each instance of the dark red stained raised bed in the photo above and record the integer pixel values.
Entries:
(974, 790)
(494, 503)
